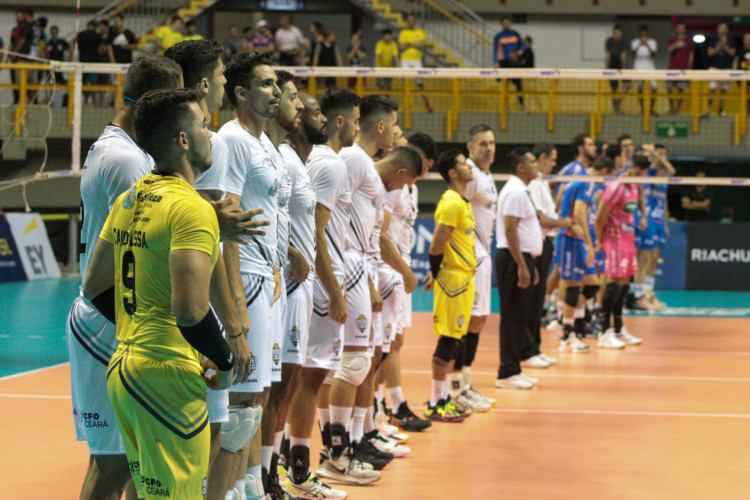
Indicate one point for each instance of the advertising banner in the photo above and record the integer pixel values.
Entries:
(11, 268)
(718, 256)
(32, 242)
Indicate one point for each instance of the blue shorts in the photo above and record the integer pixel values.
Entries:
(599, 262)
(571, 259)
(654, 236)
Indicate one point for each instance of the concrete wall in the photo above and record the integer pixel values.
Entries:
(612, 7)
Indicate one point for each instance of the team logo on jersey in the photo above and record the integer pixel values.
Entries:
(337, 347)
(374, 203)
(461, 321)
(361, 323)
(253, 362)
(294, 336)
(276, 354)
(127, 203)
(387, 331)
(311, 209)
(274, 188)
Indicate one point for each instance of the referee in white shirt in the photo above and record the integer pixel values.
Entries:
(541, 196)
(519, 242)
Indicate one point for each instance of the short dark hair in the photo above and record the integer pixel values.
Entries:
(104, 22)
(190, 23)
(159, 115)
(478, 129)
(613, 151)
(617, 27)
(150, 72)
(247, 29)
(543, 148)
(29, 11)
(336, 101)
(623, 137)
(121, 16)
(91, 25)
(55, 27)
(659, 146)
(408, 157)
(600, 146)
(197, 58)
(424, 143)
(387, 32)
(407, 14)
(642, 162)
(239, 71)
(642, 27)
(175, 18)
(42, 22)
(579, 140)
(446, 162)
(727, 213)
(373, 107)
(529, 39)
(283, 77)
(506, 16)
(602, 163)
(516, 157)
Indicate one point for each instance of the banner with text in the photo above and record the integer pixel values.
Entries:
(718, 256)
(33, 245)
(11, 268)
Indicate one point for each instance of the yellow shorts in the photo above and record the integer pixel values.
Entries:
(161, 408)
(454, 299)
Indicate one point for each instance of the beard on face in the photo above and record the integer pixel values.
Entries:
(313, 134)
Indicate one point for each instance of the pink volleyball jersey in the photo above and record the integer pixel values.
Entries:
(623, 198)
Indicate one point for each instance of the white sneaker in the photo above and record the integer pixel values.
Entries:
(535, 362)
(531, 380)
(386, 445)
(513, 382)
(476, 404)
(551, 361)
(481, 397)
(233, 494)
(254, 488)
(573, 344)
(628, 338)
(312, 488)
(385, 428)
(347, 469)
(608, 340)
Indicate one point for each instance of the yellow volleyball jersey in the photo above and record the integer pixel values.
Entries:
(455, 211)
(168, 36)
(411, 36)
(157, 215)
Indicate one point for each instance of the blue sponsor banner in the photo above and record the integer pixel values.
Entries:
(670, 273)
(11, 268)
(718, 256)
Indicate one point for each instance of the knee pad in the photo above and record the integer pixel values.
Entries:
(572, 294)
(355, 365)
(590, 291)
(242, 425)
(446, 348)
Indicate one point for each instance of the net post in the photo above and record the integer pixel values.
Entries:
(407, 103)
(695, 104)
(71, 94)
(646, 96)
(75, 143)
(72, 242)
(21, 108)
(118, 91)
(551, 106)
(456, 104)
(504, 104)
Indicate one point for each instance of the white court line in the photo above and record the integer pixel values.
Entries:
(33, 396)
(634, 350)
(34, 336)
(615, 412)
(537, 373)
(29, 372)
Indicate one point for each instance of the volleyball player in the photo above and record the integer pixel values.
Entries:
(151, 269)
(452, 267)
(252, 181)
(112, 166)
(482, 194)
(615, 223)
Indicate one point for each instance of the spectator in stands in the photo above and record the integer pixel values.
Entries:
(697, 202)
(190, 33)
(261, 40)
(644, 50)
(617, 58)
(102, 27)
(290, 42)
(121, 42)
(411, 42)
(386, 56)
(327, 54)
(58, 49)
(233, 43)
(508, 49)
(681, 53)
(166, 36)
(44, 36)
(727, 215)
(355, 54)
(720, 51)
(742, 61)
(527, 58)
(89, 42)
(22, 39)
(316, 30)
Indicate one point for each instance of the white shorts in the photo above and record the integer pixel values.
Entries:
(388, 283)
(278, 332)
(405, 301)
(376, 334)
(298, 312)
(326, 336)
(482, 287)
(218, 405)
(724, 86)
(258, 293)
(92, 340)
(357, 329)
(414, 65)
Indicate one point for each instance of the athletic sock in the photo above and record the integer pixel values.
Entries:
(266, 453)
(277, 438)
(379, 401)
(472, 342)
(547, 298)
(358, 423)
(637, 289)
(369, 420)
(567, 327)
(466, 372)
(324, 422)
(560, 308)
(650, 283)
(617, 311)
(396, 395)
(340, 420)
(457, 382)
(437, 392)
(611, 293)
(446, 389)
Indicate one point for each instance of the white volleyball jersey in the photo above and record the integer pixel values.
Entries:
(411, 204)
(285, 191)
(215, 178)
(482, 194)
(253, 177)
(329, 180)
(113, 164)
(301, 206)
(367, 193)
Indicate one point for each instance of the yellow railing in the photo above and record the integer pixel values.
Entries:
(453, 96)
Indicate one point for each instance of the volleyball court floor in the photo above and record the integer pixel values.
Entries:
(667, 420)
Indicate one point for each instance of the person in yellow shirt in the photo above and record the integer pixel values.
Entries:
(411, 41)
(190, 33)
(166, 36)
(151, 274)
(386, 56)
(452, 267)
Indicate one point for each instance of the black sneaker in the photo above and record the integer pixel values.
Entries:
(408, 421)
(373, 450)
(632, 304)
(362, 451)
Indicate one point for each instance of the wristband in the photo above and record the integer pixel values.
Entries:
(435, 261)
(105, 304)
(206, 338)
